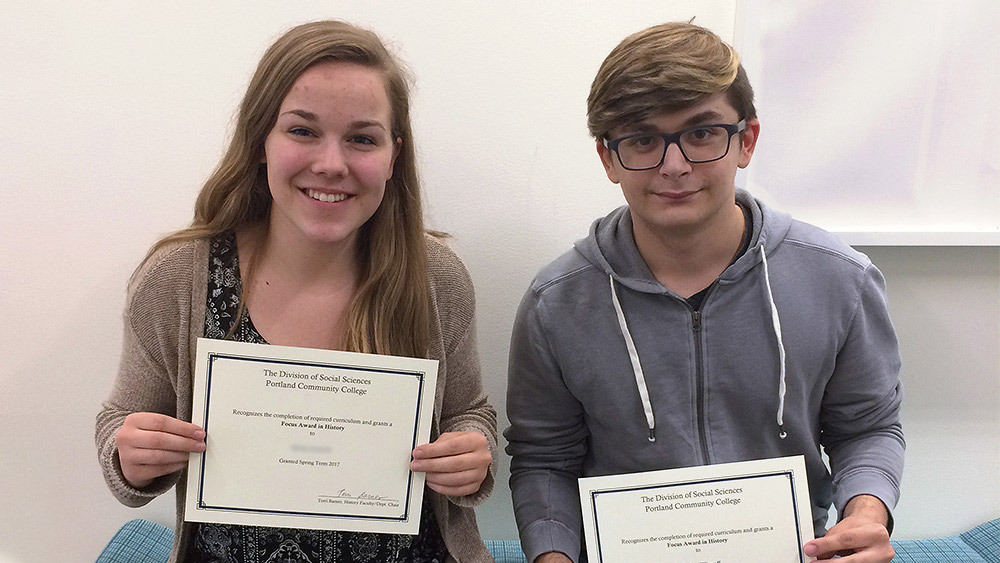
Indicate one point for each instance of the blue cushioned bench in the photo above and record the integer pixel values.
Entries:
(141, 541)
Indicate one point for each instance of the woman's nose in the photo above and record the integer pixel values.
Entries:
(330, 160)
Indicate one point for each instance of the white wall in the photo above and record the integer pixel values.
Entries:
(945, 304)
(114, 114)
(909, 92)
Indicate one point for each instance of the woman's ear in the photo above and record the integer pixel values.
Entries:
(397, 146)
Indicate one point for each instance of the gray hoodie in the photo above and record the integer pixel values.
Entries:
(791, 353)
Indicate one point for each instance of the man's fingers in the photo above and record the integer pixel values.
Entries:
(856, 540)
(829, 546)
(822, 548)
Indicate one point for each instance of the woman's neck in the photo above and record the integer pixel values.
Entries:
(297, 294)
(300, 262)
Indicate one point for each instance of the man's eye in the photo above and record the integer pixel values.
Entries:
(641, 142)
(702, 134)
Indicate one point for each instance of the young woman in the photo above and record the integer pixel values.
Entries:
(309, 233)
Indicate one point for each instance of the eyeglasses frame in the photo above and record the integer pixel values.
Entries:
(672, 138)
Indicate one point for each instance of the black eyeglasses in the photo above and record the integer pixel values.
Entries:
(699, 144)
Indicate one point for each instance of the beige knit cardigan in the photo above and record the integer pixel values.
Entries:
(165, 315)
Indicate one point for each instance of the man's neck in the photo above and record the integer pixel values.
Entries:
(687, 261)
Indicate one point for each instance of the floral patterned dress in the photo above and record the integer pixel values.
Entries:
(226, 543)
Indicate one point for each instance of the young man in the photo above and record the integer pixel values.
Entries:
(697, 325)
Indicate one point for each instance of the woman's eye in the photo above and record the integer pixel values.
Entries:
(363, 140)
(300, 132)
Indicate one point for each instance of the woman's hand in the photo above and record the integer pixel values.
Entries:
(456, 463)
(152, 444)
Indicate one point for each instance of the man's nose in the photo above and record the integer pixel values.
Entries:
(674, 163)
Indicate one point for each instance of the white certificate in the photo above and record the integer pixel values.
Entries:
(306, 438)
(746, 512)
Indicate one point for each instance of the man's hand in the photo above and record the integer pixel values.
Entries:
(456, 463)
(553, 557)
(860, 537)
(151, 445)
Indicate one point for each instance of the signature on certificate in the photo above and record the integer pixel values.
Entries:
(363, 495)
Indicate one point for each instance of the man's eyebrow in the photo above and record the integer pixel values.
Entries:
(705, 116)
(640, 127)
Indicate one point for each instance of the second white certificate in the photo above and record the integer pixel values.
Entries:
(306, 438)
(746, 512)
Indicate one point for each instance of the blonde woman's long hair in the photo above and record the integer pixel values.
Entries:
(390, 311)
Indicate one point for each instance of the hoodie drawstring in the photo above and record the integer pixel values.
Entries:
(776, 323)
(640, 379)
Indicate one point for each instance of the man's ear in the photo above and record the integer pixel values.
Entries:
(608, 160)
(748, 141)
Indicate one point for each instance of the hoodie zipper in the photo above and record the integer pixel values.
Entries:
(700, 377)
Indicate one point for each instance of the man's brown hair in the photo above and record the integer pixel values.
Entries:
(665, 68)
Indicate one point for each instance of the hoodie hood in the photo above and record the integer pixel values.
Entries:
(611, 245)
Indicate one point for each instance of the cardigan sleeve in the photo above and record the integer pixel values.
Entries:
(465, 407)
(158, 299)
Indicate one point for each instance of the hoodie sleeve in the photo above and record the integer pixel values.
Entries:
(861, 432)
(546, 439)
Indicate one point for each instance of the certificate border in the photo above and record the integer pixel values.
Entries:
(212, 356)
(788, 472)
